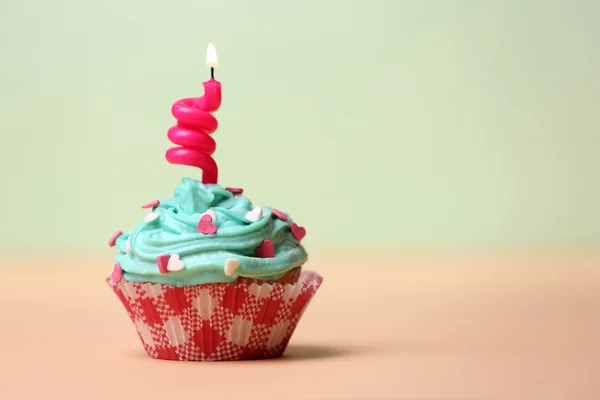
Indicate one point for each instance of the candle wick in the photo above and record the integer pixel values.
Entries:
(212, 72)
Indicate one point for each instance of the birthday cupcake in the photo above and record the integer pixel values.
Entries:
(206, 275)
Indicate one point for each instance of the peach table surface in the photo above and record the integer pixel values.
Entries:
(419, 327)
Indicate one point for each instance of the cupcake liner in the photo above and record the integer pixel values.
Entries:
(216, 321)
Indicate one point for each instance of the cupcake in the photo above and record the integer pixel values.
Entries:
(206, 275)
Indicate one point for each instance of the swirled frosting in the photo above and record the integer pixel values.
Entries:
(174, 231)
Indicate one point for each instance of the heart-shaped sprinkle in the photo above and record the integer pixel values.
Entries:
(254, 215)
(117, 273)
(279, 214)
(175, 264)
(234, 190)
(169, 263)
(266, 249)
(298, 231)
(212, 214)
(128, 245)
(163, 263)
(151, 216)
(206, 226)
(152, 204)
(113, 238)
(231, 264)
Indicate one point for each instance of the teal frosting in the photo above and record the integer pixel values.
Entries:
(204, 255)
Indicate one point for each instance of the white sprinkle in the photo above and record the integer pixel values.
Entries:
(175, 264)
(254, 215)
(151, 216)
(231, 264)
(212, 214)
(128, 245)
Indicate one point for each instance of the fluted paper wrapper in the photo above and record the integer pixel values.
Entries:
(216, 321)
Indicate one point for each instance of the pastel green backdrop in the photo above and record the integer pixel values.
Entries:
(376, 124)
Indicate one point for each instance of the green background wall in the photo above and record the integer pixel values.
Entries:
(377, 124)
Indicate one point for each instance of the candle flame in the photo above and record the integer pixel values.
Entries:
(211, 56)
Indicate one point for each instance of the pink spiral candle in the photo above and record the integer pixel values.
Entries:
(195, 124)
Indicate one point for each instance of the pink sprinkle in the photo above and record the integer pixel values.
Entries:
(113, 238)
(163, 262)
(279, 214)
(266, 249)
(298, 231)
(117, 273)
(235, 190)
(206, 226)
(152, 204)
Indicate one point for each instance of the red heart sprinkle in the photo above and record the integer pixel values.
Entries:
(206, 226)
(117, 273)
(162, 262)
(152, 204)
(266, 249)
(113, 238)
(279, 214)
(298, 231)
(235, 190)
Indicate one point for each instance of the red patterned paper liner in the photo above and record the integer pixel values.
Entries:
(216, 321)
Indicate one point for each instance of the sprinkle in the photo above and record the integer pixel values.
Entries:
(128, 245)
(169, 263)
(279, 214)
(298, 231)
(152, 204)
(206, 226)
(175, 264)
(163, 262)
(266, 249)
(212, 214)
(235, 190)
(151, 216)
(254, 215)
(113, 238)
(231, 264)
(117, 273)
